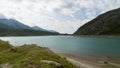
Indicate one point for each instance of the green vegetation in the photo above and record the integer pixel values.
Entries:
(105, 24)
(29, 56)
(11, 27)
(23, 32)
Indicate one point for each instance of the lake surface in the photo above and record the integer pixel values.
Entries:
(72, 44)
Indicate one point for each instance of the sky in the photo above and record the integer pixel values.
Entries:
(64, 16)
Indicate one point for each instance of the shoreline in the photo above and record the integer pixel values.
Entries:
(79, 61)
(89, 36)
(83, 62)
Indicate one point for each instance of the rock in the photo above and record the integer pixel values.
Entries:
(52, 62)
(13, 49)
(105, 62)
(6, 65)
(29, 64)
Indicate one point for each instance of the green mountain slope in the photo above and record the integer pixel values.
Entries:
(23, 32)
(105, 24)
(10, 27)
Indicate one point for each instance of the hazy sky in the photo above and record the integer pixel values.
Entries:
(65, 16)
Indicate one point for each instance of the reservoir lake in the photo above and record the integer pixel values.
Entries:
(92, 46)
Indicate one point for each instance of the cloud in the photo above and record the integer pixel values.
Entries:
(2, 16)
(65, 16)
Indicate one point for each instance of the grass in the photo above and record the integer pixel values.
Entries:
(29, 56)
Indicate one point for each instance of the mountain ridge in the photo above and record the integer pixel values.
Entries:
(38, 28)
(13, 23)
(11, 27)
(105, 24)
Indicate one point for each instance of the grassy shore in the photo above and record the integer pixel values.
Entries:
(30, 56)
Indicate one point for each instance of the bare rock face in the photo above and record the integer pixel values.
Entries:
(105, 24)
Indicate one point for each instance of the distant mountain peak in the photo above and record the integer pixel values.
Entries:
(38, 28)
(2, 16)
(13, 23)
(11, 27)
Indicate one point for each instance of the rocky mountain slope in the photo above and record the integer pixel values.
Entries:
(105, 24)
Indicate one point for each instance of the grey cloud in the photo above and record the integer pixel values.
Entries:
(2, 16)
(17, 1)
(51, 13)
(68, 5)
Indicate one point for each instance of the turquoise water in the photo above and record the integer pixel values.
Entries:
(72, 44)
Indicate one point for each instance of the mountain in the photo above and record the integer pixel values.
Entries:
(13, 23)
(52, 31)
(38, 28)
(11, 27)
(105, 24)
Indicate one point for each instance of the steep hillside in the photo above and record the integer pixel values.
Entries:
(105, 24)
(11, 27)
(23, 32)
(13, 23)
